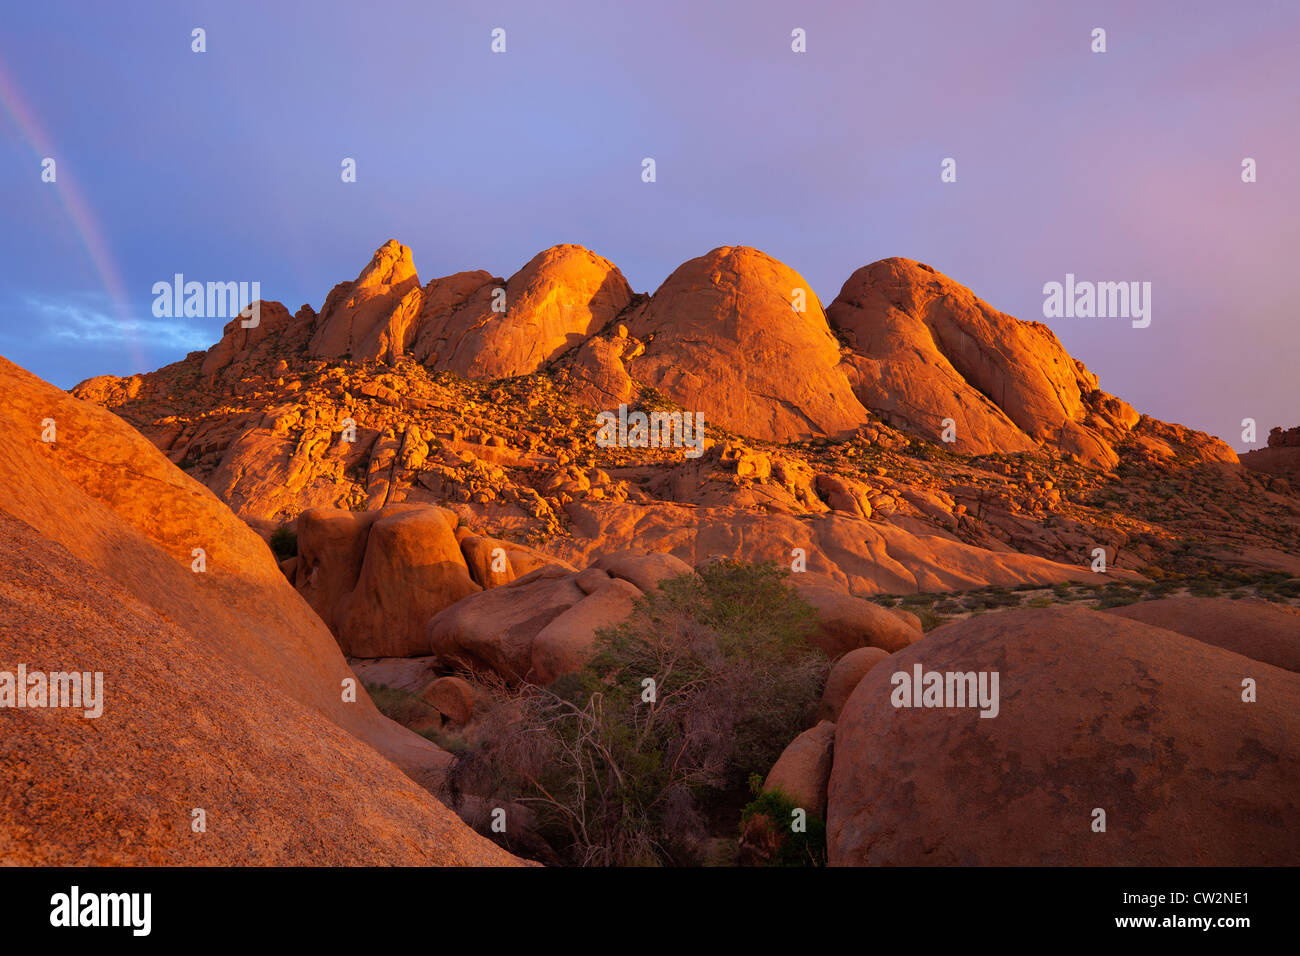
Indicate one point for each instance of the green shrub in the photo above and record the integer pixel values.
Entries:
(284, 542)
(772, 811)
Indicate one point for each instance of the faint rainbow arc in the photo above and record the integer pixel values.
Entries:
(78, 211)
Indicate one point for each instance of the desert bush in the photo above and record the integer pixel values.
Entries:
(401, 706)
(284, 542)
(766, 821)
(632, 760)
(930, 619)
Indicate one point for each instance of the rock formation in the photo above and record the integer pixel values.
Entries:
(931, 357)
(560, 298)
(722, 337)
(1096, 713)
(447, 510)
(1280, 458)
(222, 690)
(371, 316)
(1249, 627)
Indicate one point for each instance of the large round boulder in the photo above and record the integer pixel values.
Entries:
(495, 629)
(413, 569)
(722, 335)
(563, 646)
(1186, 754)
(845, 622)
(845, 675)
(1266, 632)
(802, 770)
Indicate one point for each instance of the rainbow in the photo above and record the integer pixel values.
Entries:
(77, 209)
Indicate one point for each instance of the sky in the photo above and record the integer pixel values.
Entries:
(226, 165)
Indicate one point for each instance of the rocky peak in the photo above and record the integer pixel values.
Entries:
(741, 337)
(927, 350)
(738, 337)
(369, 317)
(561, 297)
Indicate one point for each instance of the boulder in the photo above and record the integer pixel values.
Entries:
(413, 568)
(804, 767)
(1095, 712)
(844, 676)
(844, 494)
(907, 617)
(480, 556)
(409, 674)
(1250, 627)
(331, 549)
(646, 571)
(592, 579)
(279, 782)
(721, 337)
(845, 622)
(562, 646)
(453, 697)
(495, 629)
(598, 377)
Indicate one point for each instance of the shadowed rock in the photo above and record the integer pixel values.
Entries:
(1095, 712)
(1250, 627)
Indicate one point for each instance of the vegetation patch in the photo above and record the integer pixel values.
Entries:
(643, 756)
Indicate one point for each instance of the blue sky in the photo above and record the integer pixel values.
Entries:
(225, 165)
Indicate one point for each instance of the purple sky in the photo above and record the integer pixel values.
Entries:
(225, 165)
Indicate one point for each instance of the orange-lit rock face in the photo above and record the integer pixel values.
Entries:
(735, 336)
(185, 728)
(275, 430)
(560, 298)
(468, 322)
(723, 337)
(223, 690)
(369, 318)
(928, 350)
